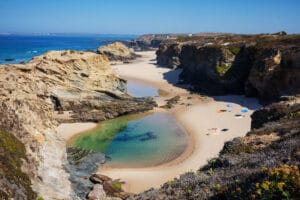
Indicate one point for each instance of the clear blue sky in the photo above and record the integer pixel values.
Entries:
(149, 16)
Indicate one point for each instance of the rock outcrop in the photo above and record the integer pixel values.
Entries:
(265, 163)
(59, 86)
(262, 165)
(117, 51)
(266, 66)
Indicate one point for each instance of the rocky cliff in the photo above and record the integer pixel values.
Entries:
(262, 165)
(266, 66)
(265, 163)
(59, 86)
(117, 51)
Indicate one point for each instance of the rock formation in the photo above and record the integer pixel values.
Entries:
(265, 163)
(117, 51)
(59, 86)
(266, 66)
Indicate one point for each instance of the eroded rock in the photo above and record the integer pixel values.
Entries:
(34, 98)
(117, 51)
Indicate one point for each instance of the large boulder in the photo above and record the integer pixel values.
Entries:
(97, 193)
(117, 51)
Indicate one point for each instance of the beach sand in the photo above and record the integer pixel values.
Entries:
(68, 130)
(202, 118)
(197, 114)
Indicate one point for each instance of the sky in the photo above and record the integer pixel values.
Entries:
(149, 16)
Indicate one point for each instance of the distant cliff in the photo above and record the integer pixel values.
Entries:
(266, 66)
(59, 86)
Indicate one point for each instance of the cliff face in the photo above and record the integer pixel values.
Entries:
(262, 165)
(276, 69)
(59, 86)
(264, 66)
(265, 163)
(147, 42)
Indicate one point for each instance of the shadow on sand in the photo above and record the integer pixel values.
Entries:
(246, 102)
(172, 77)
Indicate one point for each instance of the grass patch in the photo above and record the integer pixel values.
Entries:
(222, 69)
(117, 186)
(235, 50)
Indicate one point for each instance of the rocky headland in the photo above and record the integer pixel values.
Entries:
(266, 66)
(58, 86)
(265, 163)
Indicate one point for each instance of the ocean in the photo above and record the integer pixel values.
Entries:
(21, 48)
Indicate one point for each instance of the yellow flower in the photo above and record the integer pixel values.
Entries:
(280, 185)
(257, 185)
(265, 185)
(258, 192)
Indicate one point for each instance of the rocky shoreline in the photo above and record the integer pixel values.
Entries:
(265, 66)
(75, 86)
(57, 86)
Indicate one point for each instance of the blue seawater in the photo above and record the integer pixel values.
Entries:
(21, 48)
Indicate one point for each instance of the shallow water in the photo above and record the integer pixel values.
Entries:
(140, 89)
(136, 140)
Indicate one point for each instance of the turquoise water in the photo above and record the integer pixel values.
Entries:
(21, 48)
(140, 89)
(136, 141)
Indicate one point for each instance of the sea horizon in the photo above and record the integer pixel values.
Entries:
(16, 48)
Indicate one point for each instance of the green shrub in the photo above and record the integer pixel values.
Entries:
(235, 50)
(117, 186)
(282, 183)
(222, 69)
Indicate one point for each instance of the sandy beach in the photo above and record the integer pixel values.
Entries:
(209, 122)
(200, 116)
(68, 130)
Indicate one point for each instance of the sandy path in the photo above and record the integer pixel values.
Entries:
(197, 118)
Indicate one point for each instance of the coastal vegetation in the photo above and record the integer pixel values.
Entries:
(12, 154)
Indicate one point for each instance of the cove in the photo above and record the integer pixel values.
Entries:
(135, 141)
